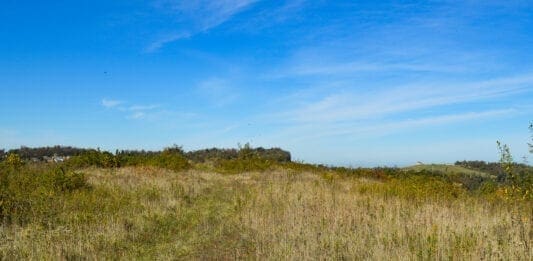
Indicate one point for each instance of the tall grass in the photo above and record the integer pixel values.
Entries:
(288, 211)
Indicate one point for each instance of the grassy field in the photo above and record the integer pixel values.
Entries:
(447, 169)
(276, 214)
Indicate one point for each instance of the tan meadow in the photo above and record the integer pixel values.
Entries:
(281, 214)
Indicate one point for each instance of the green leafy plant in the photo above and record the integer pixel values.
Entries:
(93, 158)
(14, 160)
(506, 161)
(520, 184)
(248, 159)
(33, 193)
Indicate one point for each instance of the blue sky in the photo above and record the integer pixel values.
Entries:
(336, 82)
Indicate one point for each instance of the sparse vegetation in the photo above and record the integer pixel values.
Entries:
(531, 144)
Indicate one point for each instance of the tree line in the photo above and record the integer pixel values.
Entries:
(203, 155)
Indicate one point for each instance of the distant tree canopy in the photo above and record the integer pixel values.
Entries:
(495, 168)
(41, 152)
(212, 154)
(136, 152)
(274, 154)
(204, 155)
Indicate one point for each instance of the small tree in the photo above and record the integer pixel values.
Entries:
(531, 144)
(519, 187)
(14, 160)
(506, 161)
(174, 149)
(246, 151)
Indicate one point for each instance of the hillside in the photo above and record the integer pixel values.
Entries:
(448, 169)
(243, 209)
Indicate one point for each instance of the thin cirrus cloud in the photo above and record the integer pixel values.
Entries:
(142, 107)
(219, 92)
(133, 111)
(153, 113)
(386, 128)
(376, 113)
(137, 115)
(358, 67)
(159, 43)
(365, 129)
(339, 59)
(356, 104)
(108, 103)
(196, 17)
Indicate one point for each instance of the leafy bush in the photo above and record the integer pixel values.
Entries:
(247, 160)
(418, 188)
(30, 193)
(13, 160)
(172, 158)
(68, 181)
(93, 158)
(214, 154)
(432, 187)
(235, 166)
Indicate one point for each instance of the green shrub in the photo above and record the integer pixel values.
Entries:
(236, 166)
(68, 181)
(214, 154)
(418, 187)
(13, 160)
(487, 187)
(172, 158)
(31, 193)
(93, 158)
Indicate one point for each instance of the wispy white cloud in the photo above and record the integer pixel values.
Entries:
(123, 106)
(153, 112)
(344, 110)
(157, 44)
(358, 67)
(137, 115)
(385, 128)
(216, 12)
(197, 16)
(218, 91)
(108, 103)
(281, 12)
(162, 117)
(339, 59)
(143, 107)
(372, 129)
(356, 104)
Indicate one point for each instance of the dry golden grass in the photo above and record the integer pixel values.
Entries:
(147, 213)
